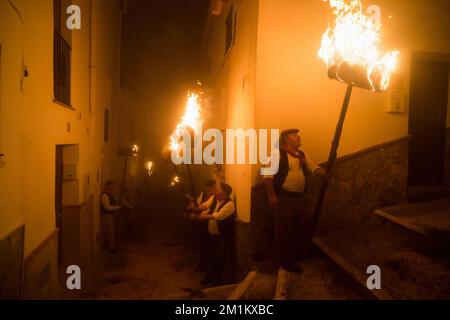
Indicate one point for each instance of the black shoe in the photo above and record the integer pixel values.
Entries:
(291, 267)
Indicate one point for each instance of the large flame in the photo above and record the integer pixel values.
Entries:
(354, 40)
(190, 120)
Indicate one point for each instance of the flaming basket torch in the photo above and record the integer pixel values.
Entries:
(175, 181)
(149, 168)
(350, 50)
(132, 152)
(191, 123)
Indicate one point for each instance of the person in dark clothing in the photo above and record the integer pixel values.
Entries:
(220, 214)
(285, 192)
(200, 228)
(109, 209)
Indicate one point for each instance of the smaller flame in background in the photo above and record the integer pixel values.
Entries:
(190, 120)
(354, 39)
(175, 180)
(149, 167)
(135, 150)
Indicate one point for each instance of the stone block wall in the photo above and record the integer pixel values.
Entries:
(11, 264)
(41, 270)
(372, 178)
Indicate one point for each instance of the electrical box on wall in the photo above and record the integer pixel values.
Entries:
(70, 171)
(398, 103)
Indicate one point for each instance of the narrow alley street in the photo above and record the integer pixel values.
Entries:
(155, 259)
(243, 156)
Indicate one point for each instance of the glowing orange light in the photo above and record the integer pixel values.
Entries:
(190, 120)
(149, 167)
(353, 40)
(135, 150)
(175, 180)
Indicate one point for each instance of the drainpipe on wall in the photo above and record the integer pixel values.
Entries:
(91, 53)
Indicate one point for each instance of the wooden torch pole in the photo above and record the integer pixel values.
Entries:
(123, 183)
(331, 159)
(191, 179)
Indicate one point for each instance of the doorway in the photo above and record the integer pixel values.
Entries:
(428, 121)
(66, 200)
(59, 167)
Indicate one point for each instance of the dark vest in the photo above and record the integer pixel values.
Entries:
(213, 206)
(112, 201)
(204, 197)
(280, 177)
(226, 226)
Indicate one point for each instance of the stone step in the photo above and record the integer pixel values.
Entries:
(351, 270)
(240, 289)
(320, 280)
(430, 218)
(281, 291)
(259, 285)
(408, 271)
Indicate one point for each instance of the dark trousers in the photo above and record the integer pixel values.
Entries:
(291, 227)
(219, 251)
(109, 222)
(201, 238)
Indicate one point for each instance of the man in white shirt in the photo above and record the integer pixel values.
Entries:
(219, 211)
(209, 191)
(285, 192)
(109, 209)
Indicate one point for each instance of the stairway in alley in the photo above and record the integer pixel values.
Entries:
(409, 242)
(321, 279)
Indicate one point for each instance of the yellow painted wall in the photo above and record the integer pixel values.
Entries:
(292, 85)
(273, 78)
(232, 78)
(32, 124)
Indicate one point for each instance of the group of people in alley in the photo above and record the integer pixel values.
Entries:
(213, 213)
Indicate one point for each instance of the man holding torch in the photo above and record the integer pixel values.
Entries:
(109, 208)
(285, 192)
(200, 228)
(219, 212)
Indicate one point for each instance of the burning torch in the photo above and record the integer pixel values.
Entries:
(133, 152)
(149, 168)
(145, 184)
(190, 123)
(350, 50)
(175, 180)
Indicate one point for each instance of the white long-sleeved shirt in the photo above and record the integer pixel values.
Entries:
(106, 204)
(200, 199)
(295, 179)
(206, 203)
(218, 215)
